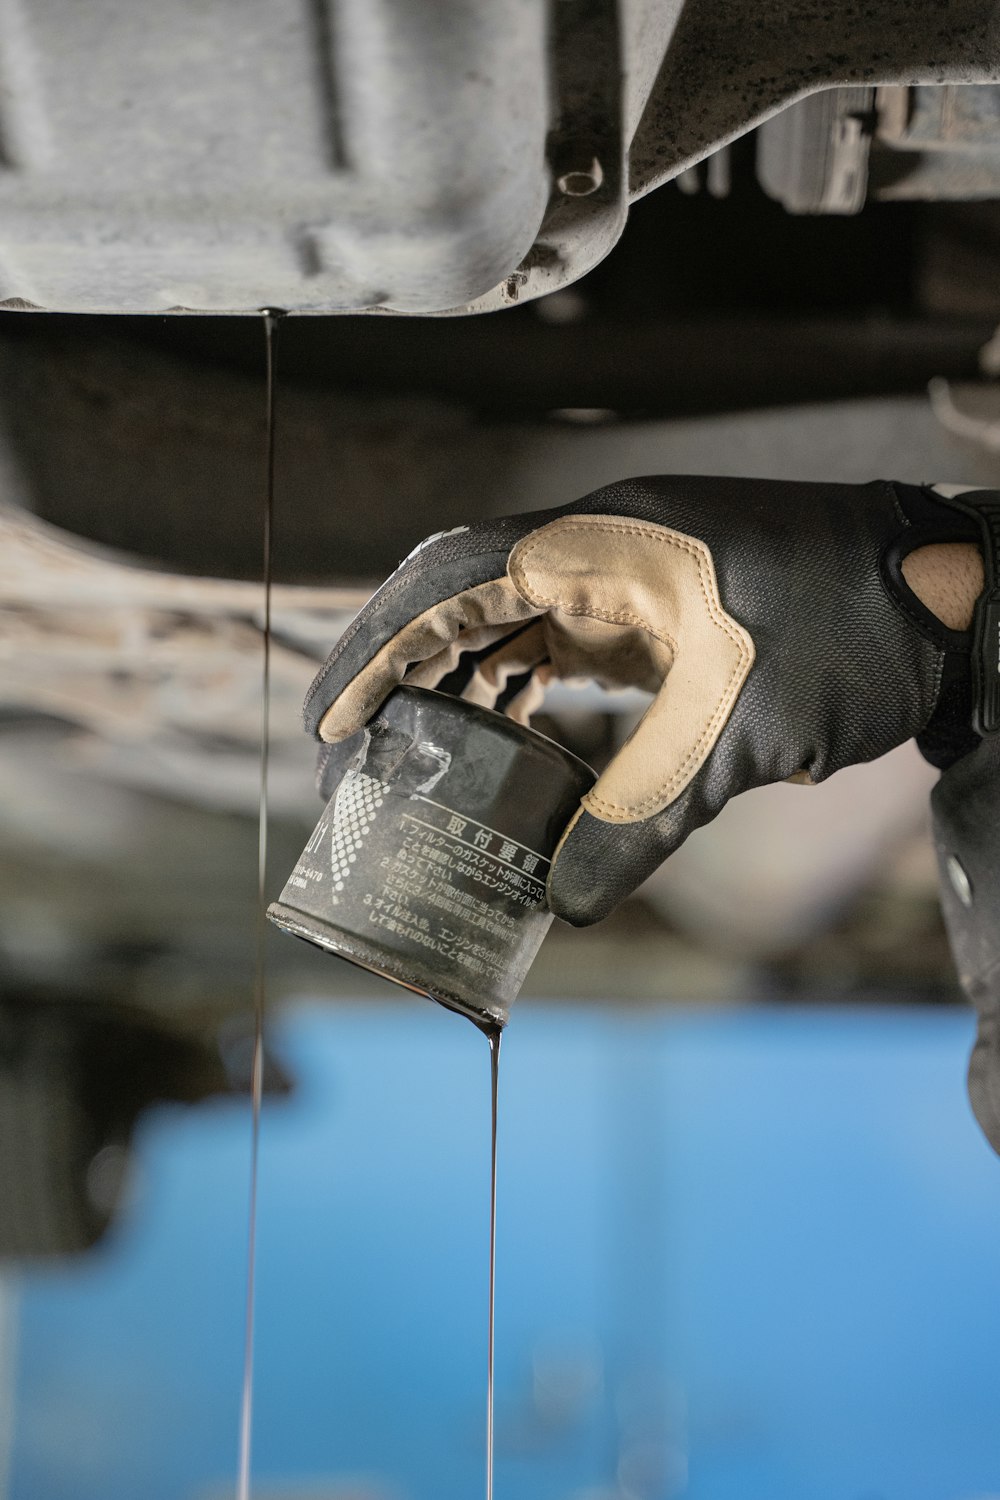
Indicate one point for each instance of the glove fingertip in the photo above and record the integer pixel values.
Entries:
(598, 864)
(575, 905)
(585, 883)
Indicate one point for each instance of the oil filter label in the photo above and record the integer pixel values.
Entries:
(410, 874)
(457, 888)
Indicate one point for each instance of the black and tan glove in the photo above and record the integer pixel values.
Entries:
(772, 622)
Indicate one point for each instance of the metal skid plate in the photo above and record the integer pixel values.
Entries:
(183, 156)
(407, 156)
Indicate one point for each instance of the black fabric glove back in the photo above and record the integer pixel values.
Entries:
(770, 621)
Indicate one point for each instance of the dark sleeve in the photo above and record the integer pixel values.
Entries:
(966, 808)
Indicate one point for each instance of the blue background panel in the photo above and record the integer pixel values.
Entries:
(746, 1253)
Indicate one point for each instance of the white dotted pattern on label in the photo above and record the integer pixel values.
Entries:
(355, 809)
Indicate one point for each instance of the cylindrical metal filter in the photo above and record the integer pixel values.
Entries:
(429, 863)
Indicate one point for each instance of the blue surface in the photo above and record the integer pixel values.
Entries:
(742, 1254)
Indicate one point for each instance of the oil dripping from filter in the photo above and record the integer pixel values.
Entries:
(493, 1035)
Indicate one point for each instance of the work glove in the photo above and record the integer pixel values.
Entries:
(771, 622)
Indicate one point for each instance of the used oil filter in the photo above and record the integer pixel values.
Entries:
(429, 863)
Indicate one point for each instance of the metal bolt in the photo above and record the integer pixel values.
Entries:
(581, 180)
(513, 285)
(960, 882)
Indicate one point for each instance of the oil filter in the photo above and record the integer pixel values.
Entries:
(429, 863)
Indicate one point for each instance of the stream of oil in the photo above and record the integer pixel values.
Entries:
(493, 1036)
(493, 1033)
(260, 975)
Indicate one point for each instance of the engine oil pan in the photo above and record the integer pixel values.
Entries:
(429, 863)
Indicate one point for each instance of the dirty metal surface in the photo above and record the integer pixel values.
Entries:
(725, 71)
(317, 155)
(332, 155)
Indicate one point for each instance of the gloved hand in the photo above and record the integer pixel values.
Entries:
(771, 621)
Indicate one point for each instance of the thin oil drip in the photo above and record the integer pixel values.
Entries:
(493, 1036)
(260, 973)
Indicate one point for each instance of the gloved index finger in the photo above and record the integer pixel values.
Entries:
(454, 581)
